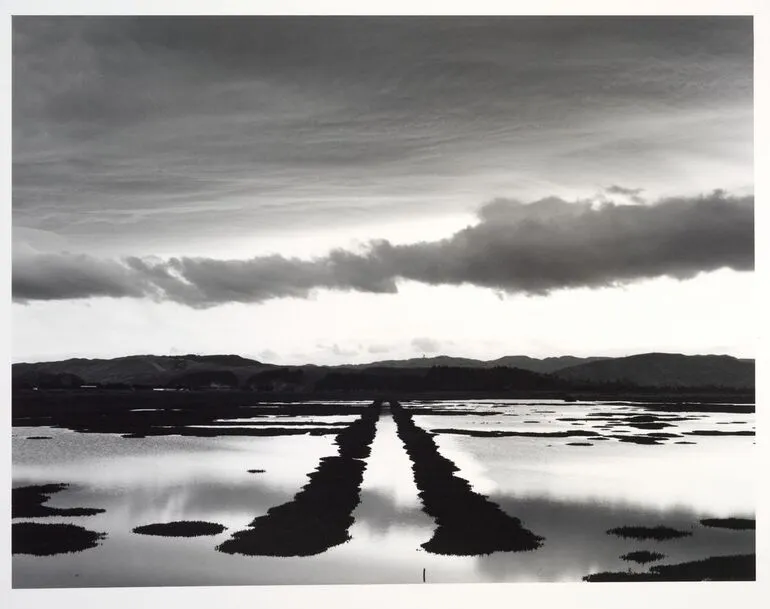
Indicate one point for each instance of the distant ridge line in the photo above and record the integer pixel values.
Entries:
(230, 371)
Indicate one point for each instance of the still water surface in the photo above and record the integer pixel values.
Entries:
(570, 495)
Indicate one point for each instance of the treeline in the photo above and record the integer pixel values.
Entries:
(289, 380)
(439, 378)
(275, 379)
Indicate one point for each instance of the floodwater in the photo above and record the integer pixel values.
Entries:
(566, 492)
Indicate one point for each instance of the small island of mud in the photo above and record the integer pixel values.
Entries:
(659, 533)
(717, 568)
(643, 556)
(40, 539)
(737, 524)
(181, 528)
(28, 502)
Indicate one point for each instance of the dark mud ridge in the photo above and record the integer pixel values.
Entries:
(467, 523)
(49, 539)
(27, 502)
(645, 439)
(716, 432)
(148, 413)
(256, 471)
(522, 434)
(450, 412)
(278, 422)
(650, 438)
(643, 556)
(718, 568)
(658, 533)
(738, 524)
(181, 528)
(640, 421)
(39, 438)
(320, 514)
(702, 407)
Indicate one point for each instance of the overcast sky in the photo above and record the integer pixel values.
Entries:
(337, 190)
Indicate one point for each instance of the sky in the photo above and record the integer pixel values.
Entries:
(331, 190)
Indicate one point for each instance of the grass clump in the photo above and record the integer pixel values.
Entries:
(659, 533)
(643, 556)
(717, 568)
(28, 502)
(181, 528)
(40, 539)
(738, 524)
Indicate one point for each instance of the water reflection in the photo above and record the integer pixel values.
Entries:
(569, 495)
(577, 542)
(714, 477)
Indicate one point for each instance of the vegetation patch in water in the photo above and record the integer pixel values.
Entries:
(716, 432)
(48, 539)
(136, 414)
(637, 439)
(702, 407)
(643, 556)
(27, 502)
(256, 471)
(658, 533)
(467, 522)
(717, 568)
(522, 434)
(649, 425)
(181, 528)
(738, 524)
(321, 513)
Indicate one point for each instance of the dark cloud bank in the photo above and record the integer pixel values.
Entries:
(531, 248)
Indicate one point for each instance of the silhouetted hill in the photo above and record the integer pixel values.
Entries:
(424, 362)
(546, 365)
(524, 362)
(666, 370)
(421, 374)
(156, 370)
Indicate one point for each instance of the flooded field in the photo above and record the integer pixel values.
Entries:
(350, 492)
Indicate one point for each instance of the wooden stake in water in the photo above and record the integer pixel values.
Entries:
(423, 576)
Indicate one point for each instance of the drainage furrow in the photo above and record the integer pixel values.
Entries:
(467, 523)
(321, 513)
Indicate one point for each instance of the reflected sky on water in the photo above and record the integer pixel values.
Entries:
(570, 495)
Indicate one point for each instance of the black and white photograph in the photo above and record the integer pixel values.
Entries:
(328, 299)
